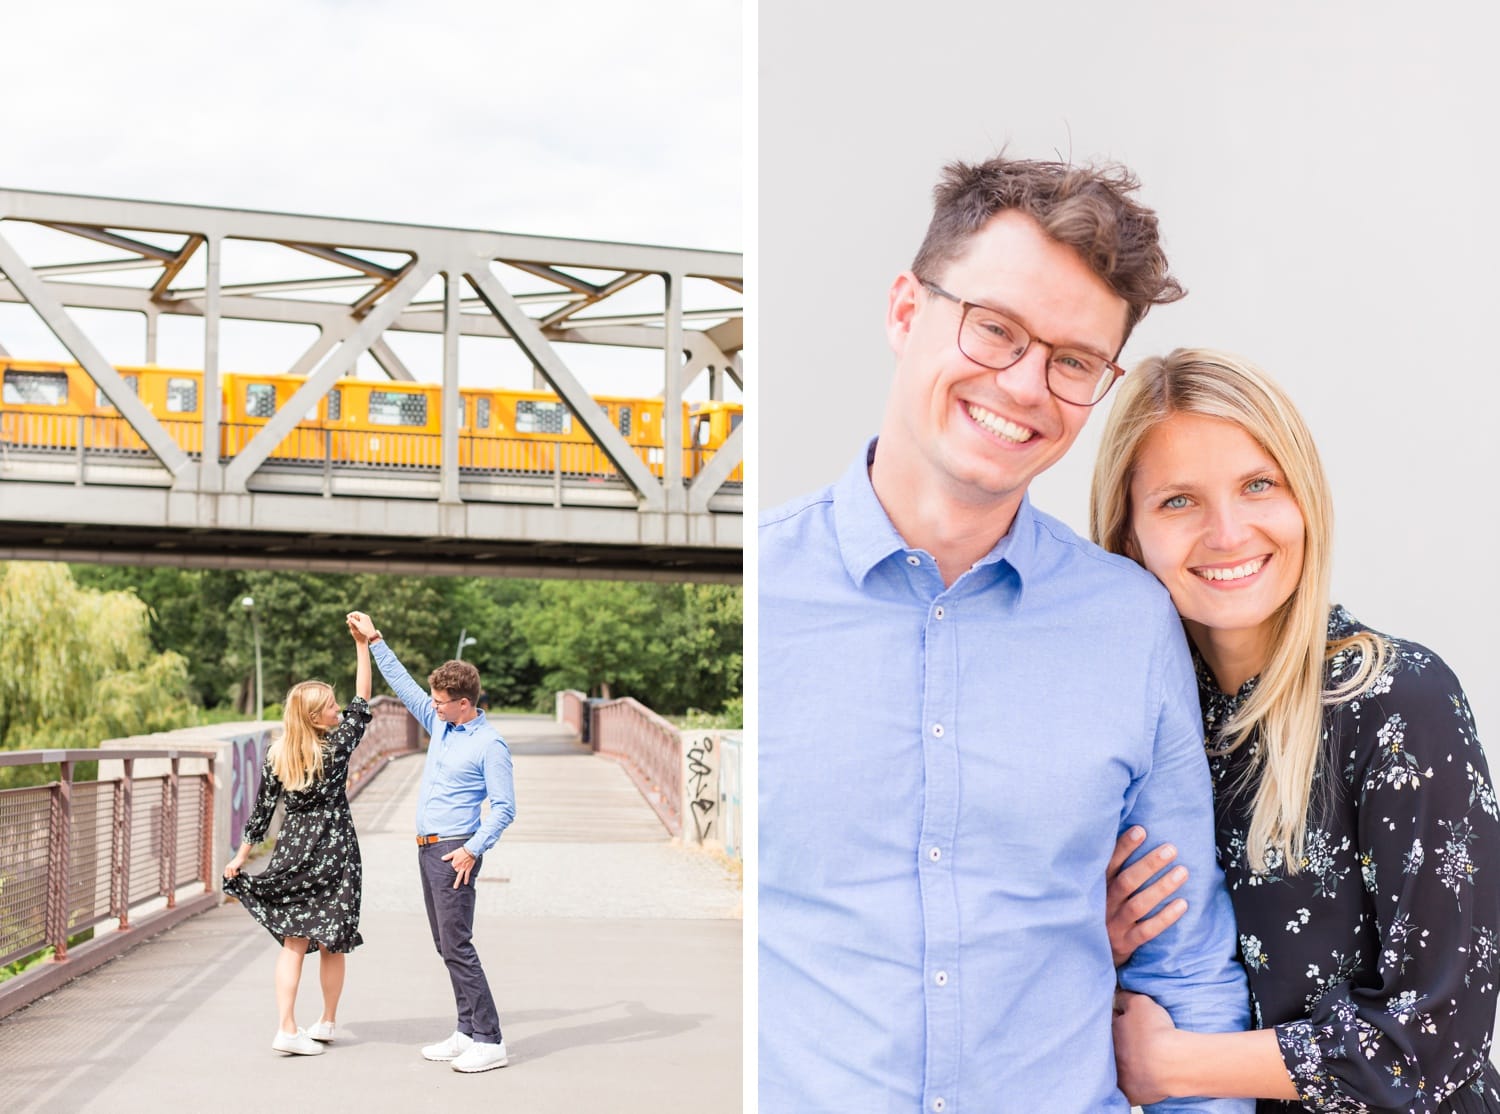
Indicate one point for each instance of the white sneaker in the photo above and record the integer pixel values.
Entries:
(448, 1049)
(322, 1031)
(298, 1044)
(481, 1057)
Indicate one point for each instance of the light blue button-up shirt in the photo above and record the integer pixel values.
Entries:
(467, 763)
(943, 773)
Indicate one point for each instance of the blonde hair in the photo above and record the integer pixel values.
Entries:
(296, 757)
(1286, 708)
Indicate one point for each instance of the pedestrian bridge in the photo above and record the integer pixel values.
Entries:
(613, 949)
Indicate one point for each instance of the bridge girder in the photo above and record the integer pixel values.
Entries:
(535, 291)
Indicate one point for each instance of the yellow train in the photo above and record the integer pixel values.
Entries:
(358, 422)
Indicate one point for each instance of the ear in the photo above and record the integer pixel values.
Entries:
(901, 309)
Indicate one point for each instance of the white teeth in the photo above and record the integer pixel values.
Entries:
(998, 425)
(1239, 572)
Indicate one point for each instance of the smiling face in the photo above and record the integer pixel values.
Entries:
(962, 432)
(1213, 518)
(328, 715)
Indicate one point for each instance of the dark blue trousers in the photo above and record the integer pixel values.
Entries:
(450, 913)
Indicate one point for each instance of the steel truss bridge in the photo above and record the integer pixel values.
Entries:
(371, 280)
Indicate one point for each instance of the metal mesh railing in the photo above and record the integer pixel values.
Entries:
(145, 839)
(72, 855)
(23, 870)
(191, 831)
(89, 869)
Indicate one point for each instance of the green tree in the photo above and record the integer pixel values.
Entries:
(671, 646)
(77, 666)
(189, 611)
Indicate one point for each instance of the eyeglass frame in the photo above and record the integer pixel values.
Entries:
(1031, 338)
(436, 703)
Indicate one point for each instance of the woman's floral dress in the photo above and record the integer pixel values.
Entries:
(1377, 962)
(311, 887)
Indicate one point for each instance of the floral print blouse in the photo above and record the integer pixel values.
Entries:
(1377, 962)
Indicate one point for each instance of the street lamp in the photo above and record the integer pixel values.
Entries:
(248, 604)
(462, 642)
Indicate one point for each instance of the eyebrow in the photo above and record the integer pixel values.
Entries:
(1182, 487)
(1021, 321)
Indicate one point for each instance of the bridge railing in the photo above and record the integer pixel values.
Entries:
(392, 732)
(105, 437)
(648, 747)
(691, 778)
(76, 854)
(573, 710)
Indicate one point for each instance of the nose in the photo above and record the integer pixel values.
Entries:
(1226, 527)
(1025, 381)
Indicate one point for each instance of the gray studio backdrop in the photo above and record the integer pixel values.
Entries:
(1326, 179)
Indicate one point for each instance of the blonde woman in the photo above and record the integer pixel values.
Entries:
(308, 896)
(1356, 823)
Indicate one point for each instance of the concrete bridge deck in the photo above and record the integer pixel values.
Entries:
(614, 955)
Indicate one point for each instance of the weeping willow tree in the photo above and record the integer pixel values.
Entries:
(76, 666)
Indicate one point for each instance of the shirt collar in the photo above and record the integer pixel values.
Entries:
(867, 537)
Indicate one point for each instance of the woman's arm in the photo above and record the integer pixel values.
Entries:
(1427, 838)
(1156, 1061)
(362, 663)
(239, 860)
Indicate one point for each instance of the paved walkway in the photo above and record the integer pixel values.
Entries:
(614, 955)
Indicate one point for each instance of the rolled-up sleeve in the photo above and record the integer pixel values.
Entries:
(1192, 970)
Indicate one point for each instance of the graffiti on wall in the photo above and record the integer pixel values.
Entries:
(247, 754)
(702, 787)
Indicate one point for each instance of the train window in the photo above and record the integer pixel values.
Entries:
(260, 400)
(543, 417)
(182, 396)
(734, 420)
(397, 408)
(131, 381)
(482, 413)
(335, 404)
(36, 388)
(702, 430)
(624, 421)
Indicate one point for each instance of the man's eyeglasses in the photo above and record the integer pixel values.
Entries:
(436, 703)
(997, 341)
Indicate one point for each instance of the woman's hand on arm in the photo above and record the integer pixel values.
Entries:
(1154, 1060)
(1128, 899)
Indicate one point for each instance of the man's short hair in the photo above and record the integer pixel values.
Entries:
(458, 679)
(1088, 208)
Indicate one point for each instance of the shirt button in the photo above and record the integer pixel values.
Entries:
(935, 853)
(939, 1105)
(938, 612)
(941, 978)
(937, 729)
(913, 560)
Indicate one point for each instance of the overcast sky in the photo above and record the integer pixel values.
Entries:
(593, 120)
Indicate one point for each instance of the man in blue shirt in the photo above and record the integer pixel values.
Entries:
(962, 703)
(467, 764)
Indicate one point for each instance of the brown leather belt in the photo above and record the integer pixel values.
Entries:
(423, 841)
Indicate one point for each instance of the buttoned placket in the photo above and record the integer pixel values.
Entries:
(937, 888)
